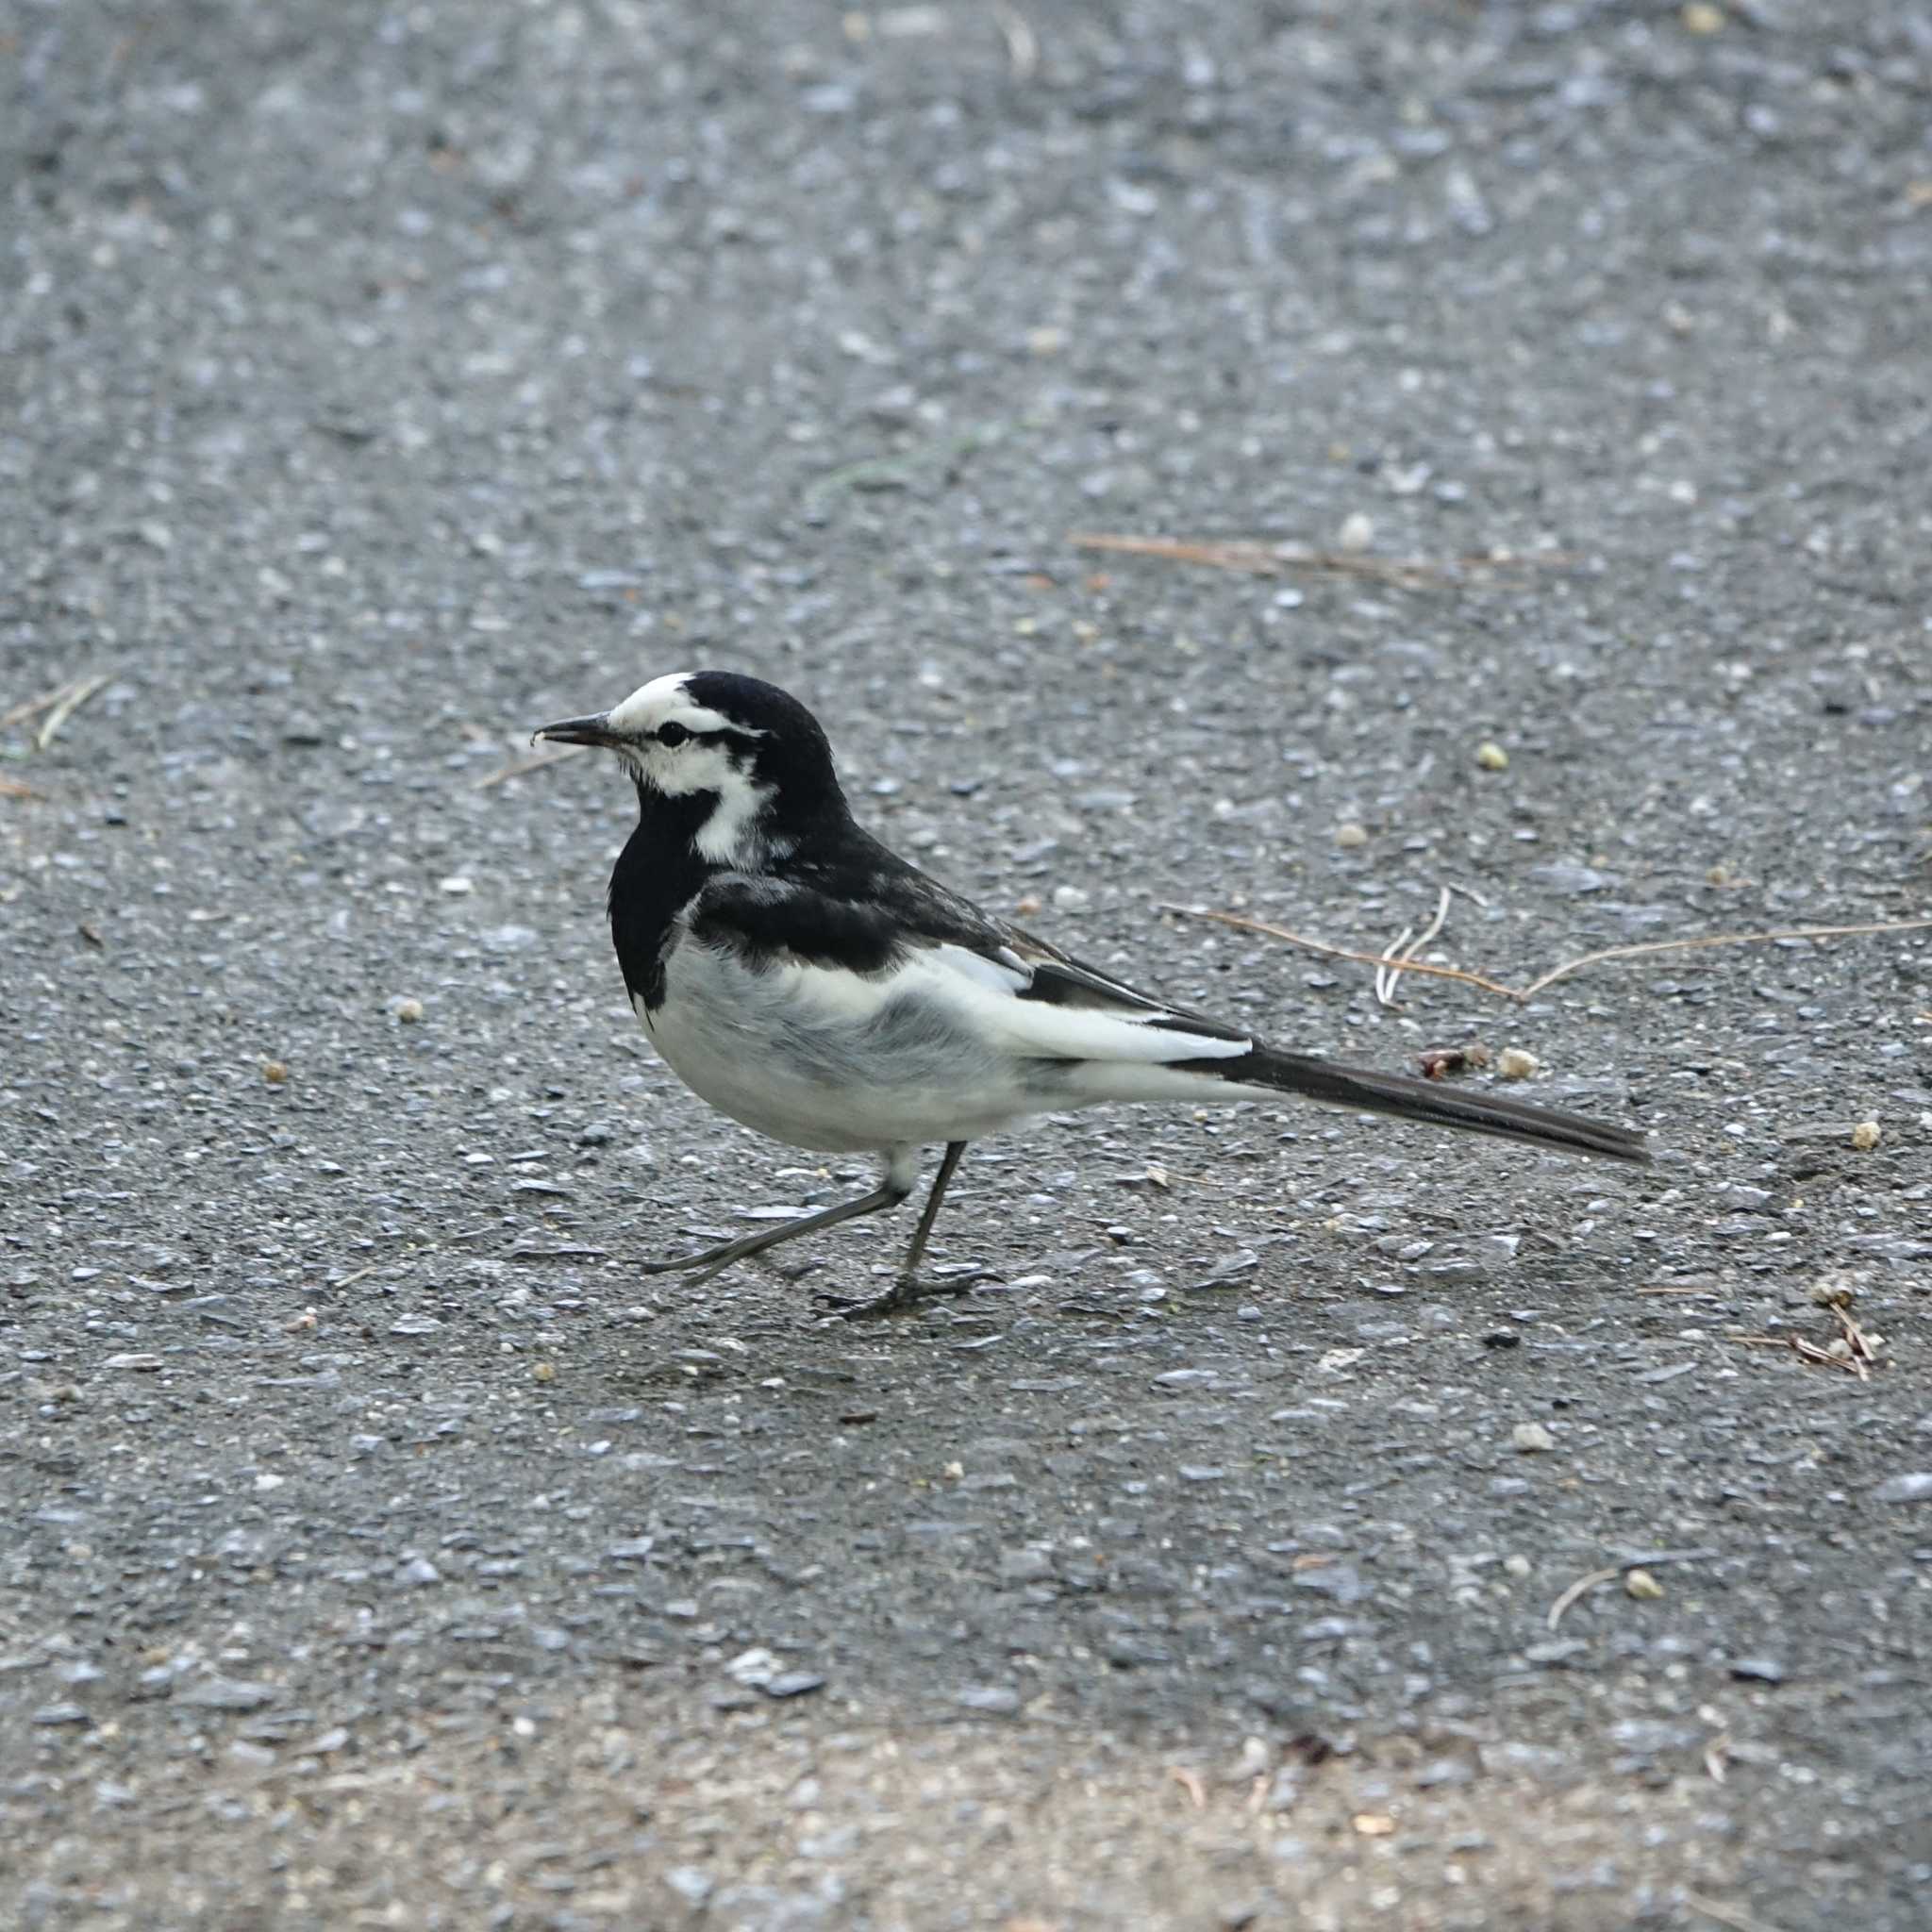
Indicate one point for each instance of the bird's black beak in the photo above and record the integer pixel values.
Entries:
(578, 731)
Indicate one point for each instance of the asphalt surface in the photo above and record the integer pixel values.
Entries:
(382, 1548)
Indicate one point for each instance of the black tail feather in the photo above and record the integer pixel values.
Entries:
(1428, 1101)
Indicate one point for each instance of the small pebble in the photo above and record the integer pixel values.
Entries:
(1867, 1135)
(457, 886)
(1357, 533)
(1351, 837)
(1915, 1487)
(1642, 1585)
(1531, 1438)
(1514, 1064)
(408, 1012)
(1491, 757)
(1758, 1670)
(273, 1071)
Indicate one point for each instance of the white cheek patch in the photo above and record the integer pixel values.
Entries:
(725, 837)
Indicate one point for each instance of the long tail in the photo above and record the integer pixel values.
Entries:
(1396, 1094)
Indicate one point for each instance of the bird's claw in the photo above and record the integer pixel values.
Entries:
(905, 1292)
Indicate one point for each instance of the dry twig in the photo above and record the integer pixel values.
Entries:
(1734, 1916)
(64, 706)
(1581, 1588)
(1404, 950)
(1804, 1351)
(516, 769)
(28, 707)
(1274, 560)
(1648, 1559)
(1191, 1783)
(12, 787)
(1525, 993)
(1022, 43)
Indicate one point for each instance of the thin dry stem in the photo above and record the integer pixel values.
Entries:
(1523, 993)
(1022, 43)
(1735, 1917)
(1402, 952)
(556, 755)
(1581, 1588)
(69, 702)
(28, 707)
(1271, 560)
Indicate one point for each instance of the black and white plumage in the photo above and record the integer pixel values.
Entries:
(809, 983)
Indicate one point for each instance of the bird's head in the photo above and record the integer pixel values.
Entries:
(748, 761)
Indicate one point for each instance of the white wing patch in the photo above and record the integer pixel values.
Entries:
(985, 991)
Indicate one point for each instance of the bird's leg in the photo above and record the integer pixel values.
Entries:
(906, 1290)
(894, 1186)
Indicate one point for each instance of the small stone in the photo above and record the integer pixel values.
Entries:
(1350, 836)
(275, 1073)
(52, 1714)
(418, 1571)
(1834, 1289)
(228, 1693)
(409, 1011)
(596, 1134)
(1372, 1824)
(1357, 533)
(457, 886)
(792, 1684)
(1701, 17)
(414, 1324)
(997, 1700)
(1758, 1670)
(1642, 1585)
(1916, 1487)
(1531, 1438)
(138, 1359)
(1867, 1135)
(1070, 898)
(1491, 757)
(1514, 1064)
(544, 1372)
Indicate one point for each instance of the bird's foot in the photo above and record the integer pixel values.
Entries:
(905, 1292)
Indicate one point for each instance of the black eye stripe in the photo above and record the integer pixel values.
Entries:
(672, 734)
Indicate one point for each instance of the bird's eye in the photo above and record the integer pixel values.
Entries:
(672, 735)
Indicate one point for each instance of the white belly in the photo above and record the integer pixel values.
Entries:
(822, 1060)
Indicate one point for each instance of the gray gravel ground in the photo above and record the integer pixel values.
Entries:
(380, 381)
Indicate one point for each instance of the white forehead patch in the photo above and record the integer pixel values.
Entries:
(664, 700)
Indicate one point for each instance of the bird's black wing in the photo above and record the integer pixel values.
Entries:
(862, 906)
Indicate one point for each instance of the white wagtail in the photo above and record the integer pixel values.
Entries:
(809, 983)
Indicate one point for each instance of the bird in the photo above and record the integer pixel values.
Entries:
(804, 981)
